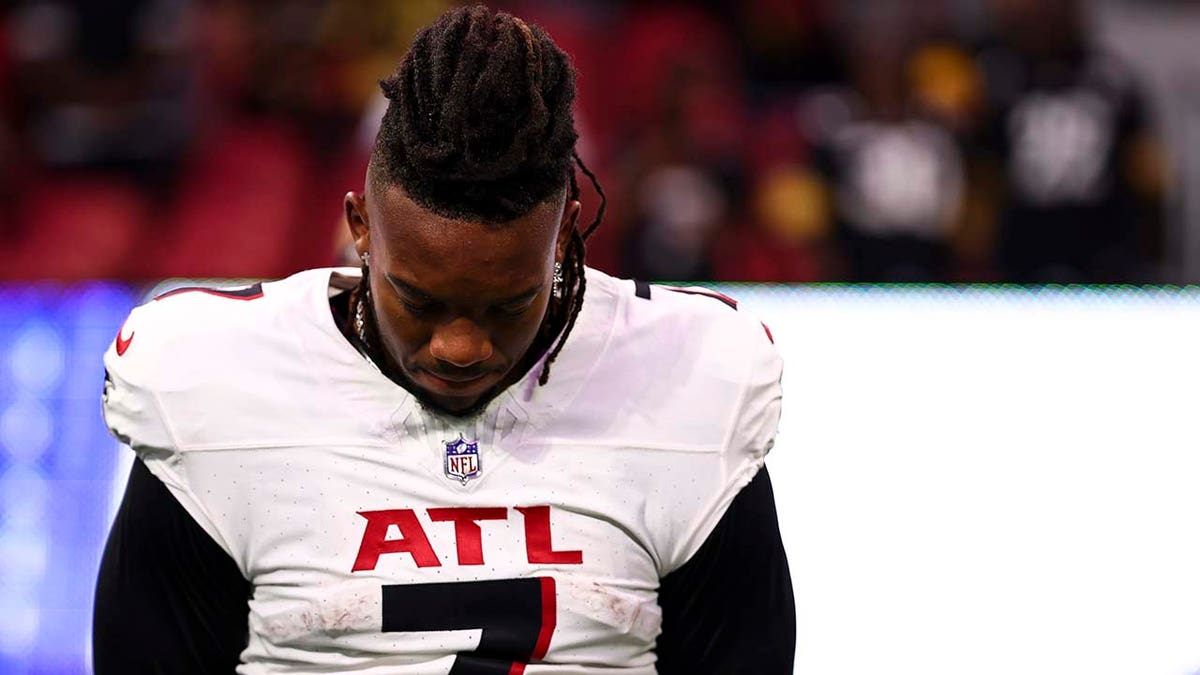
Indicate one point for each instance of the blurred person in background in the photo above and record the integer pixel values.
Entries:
(785, 45)
(104, 85)
(686, 124)
(788, 236)
(102, 102)
(947, 88)
(895, 170)
(782, 227)
(1081, 169)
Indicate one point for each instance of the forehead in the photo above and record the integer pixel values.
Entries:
(460, 257)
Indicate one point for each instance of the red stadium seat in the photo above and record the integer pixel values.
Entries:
(749, 254)
(240, 204)
(324, 219)
(76, 227)
(655, 41)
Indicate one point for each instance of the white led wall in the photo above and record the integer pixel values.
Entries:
(989, 482)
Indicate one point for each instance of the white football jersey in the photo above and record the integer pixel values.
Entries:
(381, 537)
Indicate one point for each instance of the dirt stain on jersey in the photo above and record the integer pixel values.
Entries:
(352, 608)
(624, 610)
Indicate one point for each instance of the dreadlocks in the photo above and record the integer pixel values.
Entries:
(480, 126)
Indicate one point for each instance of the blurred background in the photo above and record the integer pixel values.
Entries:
(863, 141)
(1029, 141)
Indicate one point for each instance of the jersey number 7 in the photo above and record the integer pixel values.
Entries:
(517, 617)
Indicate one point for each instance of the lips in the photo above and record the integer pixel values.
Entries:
(454, 384)
(458, 379)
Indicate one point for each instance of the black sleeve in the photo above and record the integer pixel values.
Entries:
(168, 599)
(729, 610)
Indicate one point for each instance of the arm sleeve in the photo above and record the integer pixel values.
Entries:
(168, 598)
(729, 610)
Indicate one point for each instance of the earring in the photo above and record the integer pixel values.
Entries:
(556, 287)
(366, 258)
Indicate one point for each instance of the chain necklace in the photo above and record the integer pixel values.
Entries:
(359, 328)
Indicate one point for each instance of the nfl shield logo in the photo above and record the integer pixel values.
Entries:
(462, 459)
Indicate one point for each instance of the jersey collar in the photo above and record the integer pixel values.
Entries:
(388, 411)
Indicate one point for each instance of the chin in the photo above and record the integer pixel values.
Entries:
(454, 395)
(453, 406)
(460, 399)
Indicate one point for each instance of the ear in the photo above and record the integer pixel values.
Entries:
(356, 219)
(570, 218)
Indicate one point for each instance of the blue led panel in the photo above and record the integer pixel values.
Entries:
(57, 469)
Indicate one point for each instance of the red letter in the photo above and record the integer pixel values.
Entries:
(467, 535)
(412, 539)
(537, 539)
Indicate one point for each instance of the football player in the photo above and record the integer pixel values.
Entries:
(473, 455)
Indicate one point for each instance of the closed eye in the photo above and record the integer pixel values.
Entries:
(418, 309)
(514, 309)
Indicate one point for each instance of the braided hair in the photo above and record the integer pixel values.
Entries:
(480, 126)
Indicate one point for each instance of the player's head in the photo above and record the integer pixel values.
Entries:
(470, 202)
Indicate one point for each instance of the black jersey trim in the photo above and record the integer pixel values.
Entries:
(641, 289)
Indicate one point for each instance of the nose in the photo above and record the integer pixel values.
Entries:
(460, 343)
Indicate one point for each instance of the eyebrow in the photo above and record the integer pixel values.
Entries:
(426, 296)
